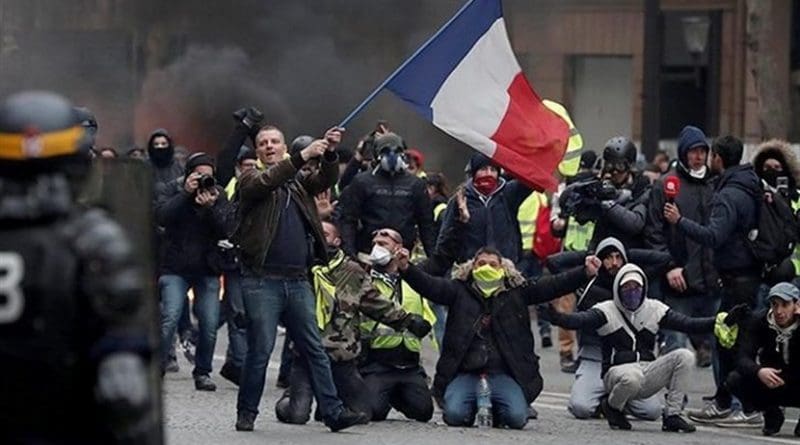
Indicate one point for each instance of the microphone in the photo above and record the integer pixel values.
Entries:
(672, 186)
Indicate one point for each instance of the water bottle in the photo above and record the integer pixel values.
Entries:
(484, 402)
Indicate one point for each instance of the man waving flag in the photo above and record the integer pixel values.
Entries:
(467, 82)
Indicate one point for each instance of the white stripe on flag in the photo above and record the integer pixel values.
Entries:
(473, 100)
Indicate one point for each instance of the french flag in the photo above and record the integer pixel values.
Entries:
(468, 83)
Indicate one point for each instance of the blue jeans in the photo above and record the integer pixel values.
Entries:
(173, 289)
(509, 407)
(267, 300)
(237, 335)
(691, 306)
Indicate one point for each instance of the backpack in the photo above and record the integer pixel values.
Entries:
(776, 234)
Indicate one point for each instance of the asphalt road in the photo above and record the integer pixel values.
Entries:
(200, 418)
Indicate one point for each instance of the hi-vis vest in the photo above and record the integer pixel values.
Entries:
(796, 253)
(527, 215)
(578, 235)
(325, 290)
(384, 337)
(570, 164)
(439, 210)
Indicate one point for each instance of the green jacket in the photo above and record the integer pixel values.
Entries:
(344, 291)
(262, 195)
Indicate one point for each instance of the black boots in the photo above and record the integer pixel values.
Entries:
(616, 419)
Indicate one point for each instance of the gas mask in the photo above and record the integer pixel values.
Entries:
(393, 160)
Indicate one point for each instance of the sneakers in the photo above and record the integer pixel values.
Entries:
(346, 419)
(739, 419)
(676, 424)
(172, 364)
(709, 414)
(203, 382)
(231, 373)
(773, 421)
(616, 419)
(568, 364)
(245, 421)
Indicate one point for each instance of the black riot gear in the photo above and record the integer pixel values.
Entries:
(41, 135)
(70, 292)
(619, 154)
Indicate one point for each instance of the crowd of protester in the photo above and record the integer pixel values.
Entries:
(361, 254)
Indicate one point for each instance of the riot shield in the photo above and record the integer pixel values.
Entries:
(123, 187)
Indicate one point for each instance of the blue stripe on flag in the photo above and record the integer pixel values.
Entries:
(419, 81)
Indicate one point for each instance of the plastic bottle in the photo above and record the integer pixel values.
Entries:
(484, 402)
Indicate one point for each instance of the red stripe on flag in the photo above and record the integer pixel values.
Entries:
(531, 139)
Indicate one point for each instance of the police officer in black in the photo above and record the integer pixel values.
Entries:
(74, 363)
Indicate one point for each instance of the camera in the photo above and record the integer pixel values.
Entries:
(582, 199)
(206, 182)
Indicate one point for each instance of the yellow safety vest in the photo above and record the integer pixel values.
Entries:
(438, 210)
(578, 235)
(384, 337)
(796, 253)
(570, 164)
(325, 290)
(527, 215)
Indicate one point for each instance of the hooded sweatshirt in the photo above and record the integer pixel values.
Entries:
(694, 198)
(165, 168)
(630, 336)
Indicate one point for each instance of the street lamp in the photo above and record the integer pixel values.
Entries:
(695, 34)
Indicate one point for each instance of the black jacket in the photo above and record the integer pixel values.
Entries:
(600, 288)
(492, 220)
(733, 215)
(625, 220)
(191, 231)
(165, 167)
(759, 341)
(510, 322)
(694, 202)
(626, 336)
(377, 200)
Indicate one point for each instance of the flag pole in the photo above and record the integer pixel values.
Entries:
(391, 77)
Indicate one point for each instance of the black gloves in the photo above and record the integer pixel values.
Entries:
(737, 314)
(545, 311)
(418, 325)
(250, 117)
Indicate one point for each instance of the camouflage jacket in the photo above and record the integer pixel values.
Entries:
(344, 291)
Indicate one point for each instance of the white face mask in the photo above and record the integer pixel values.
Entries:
(380, 256)
(699, 173)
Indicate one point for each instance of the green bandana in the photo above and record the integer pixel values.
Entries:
(488, 279)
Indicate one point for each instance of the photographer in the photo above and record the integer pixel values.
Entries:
(616, 202)
(192, 210)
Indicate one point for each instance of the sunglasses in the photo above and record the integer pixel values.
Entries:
(387, 234)
(615, 168)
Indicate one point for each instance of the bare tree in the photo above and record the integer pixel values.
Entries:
(773, 107)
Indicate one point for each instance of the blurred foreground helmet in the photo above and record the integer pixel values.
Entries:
(300, 143)
(619, 153)
(87, 120)
(40, 133)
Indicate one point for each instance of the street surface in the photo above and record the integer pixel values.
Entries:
(202, 418)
